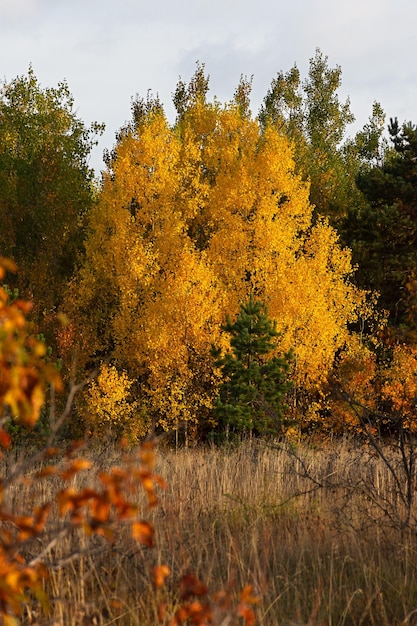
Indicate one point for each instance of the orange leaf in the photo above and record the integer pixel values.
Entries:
(247, 597)
(247, 614)
(100, 510)
(142, 532)
(160, 573)
(49, 470)
(4, 439)
(76, 466)
(162, 611)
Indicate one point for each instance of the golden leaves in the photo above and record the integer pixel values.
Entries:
(191, 221)
(109, 405)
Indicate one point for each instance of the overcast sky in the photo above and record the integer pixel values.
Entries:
(110, 50)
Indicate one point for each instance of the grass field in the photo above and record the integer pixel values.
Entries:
(317, 531)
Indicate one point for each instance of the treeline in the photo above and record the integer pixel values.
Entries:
(141, 276)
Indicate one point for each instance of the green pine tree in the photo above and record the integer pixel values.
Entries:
(252, 394)
(382, 232)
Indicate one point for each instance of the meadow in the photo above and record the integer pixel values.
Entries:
(320, 532)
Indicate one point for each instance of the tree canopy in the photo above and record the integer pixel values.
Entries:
(193, 219)
(45, 186)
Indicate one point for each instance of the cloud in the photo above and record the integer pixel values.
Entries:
(17, 9)
(108, 51)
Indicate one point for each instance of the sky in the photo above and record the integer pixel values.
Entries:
(110, 50)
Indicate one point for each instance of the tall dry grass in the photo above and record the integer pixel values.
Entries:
(316, 531)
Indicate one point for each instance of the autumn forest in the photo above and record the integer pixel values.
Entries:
(278, 219)
(208, 360)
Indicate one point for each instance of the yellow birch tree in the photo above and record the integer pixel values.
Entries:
(192, 220)
(261, 239)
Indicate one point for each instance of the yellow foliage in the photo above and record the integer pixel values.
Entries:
(108, 403)
(192, 220)
(260, 239)
(400, 385)
(177, 331)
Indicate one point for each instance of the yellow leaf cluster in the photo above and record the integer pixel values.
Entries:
(108, 403)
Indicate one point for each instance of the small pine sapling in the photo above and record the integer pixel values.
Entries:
(252, 394)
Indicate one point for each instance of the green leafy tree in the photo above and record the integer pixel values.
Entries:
(369, 145)
(312, 115)
(254, 383)
(45, 186)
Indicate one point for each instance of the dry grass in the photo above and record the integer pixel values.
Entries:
(314, 531)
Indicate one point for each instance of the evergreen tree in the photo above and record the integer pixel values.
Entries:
(382, 233)
(254, 386)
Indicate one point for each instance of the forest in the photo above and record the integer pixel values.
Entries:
(134, 276)
(239, 291)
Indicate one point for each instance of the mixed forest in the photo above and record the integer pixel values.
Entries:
(244, 281)
(135, 276)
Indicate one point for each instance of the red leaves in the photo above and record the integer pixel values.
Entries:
(5, 439)
(196, 612)
(191, 586)
(196, 606)
(99, 510)
(199, 608)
